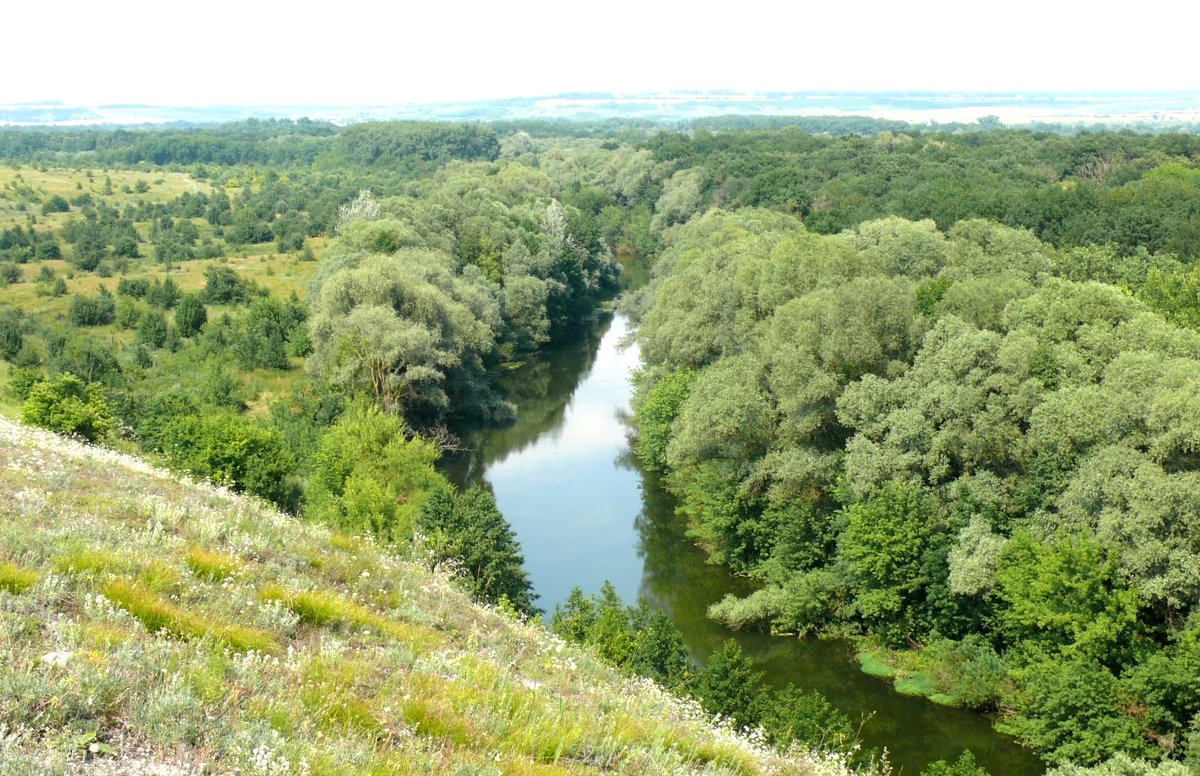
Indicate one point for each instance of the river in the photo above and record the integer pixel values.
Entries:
(564, 477)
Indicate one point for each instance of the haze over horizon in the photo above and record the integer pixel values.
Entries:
(237, 53)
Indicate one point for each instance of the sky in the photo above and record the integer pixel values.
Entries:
(356, 53)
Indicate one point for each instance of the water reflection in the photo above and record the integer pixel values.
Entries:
(584, 513)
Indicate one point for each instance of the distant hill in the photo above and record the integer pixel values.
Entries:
(1146, 109)
(152, 625)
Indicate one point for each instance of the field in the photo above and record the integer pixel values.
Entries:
(23, 188)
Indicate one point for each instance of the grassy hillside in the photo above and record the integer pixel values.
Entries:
(150, 625)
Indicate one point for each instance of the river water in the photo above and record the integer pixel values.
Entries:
(564, 477)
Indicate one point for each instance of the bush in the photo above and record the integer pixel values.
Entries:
(965, 766)
(152, 329)
(135, 287)
(638, 639)
(224, 286)
(367, 476)
(229, 450)
(55, 204)
(730, 687)
(164, 295)
(66, 405)
(808, 719)
(129, 312)
(154, 427)
(190, 315)
(22, 380)
(95, 310)
(9, 274)
(263, 340)
(11, 336)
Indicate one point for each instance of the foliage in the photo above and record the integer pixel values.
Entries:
(95, 310)
(728, 686)
(68, 405)
(468, 530)
(640, 639)
(228, 449)
(927, 437)
(657, 411)
(190, 315)
(808, 719)
(224, 286)
(964, 766)
(883, 546)
(369, 477)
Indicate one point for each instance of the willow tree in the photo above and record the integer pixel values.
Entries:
(409, 332)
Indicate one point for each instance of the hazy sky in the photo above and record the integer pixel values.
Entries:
(352, 52)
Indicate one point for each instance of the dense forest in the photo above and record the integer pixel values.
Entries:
(935, 389)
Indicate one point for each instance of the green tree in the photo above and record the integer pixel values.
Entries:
(152, 329)
(883, 545)
(640, 639)
(1065, 597)
(469, 530)
(808, 719)
(190, 315)
(729, 686)
(656, 413)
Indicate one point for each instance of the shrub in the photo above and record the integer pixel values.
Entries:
(11, 337)
(190, 315)
(367, 476)
(66, 405)
(9, 274)
(164, 295)
(135, 287)
(730, 687)
(95, 310)
(224, 286)
(229, 450)
(55, 204)
(809, 719)
(152, 329)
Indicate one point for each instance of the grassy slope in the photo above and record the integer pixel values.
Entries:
(150, 623)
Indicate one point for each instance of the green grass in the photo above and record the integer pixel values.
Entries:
(212, 565)
(157, 614)
(91, 561)
(16, 580)
(322, 608)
